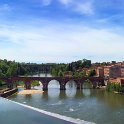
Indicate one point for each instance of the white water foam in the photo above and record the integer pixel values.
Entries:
(24, 102)
(70, 119)
(71, 109)
(58, 103)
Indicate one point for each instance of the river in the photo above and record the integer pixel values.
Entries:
(93, 105)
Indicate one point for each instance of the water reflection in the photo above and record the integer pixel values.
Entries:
(87, 92)
(114, 101)
(62, 94)
(71, 88)
(87, 84)
(79, 94)
(28, 96)
(53, 93)
(110, 99)
(87, 104)
(45, 96)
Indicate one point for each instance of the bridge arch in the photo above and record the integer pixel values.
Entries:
(7, 81)
(87, 84)
(18, 82)
(4, 80)
(3, 83)
(36, 84)
(71, 84)
(71, 88)
(54, 83)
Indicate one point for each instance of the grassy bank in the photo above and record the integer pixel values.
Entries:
(115, 87)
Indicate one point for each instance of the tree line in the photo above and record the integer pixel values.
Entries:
(73, 67)
(12, 68)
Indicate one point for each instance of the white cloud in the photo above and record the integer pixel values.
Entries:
(58, 43)
(66, 2)
(85, 8)
(82, 7)
(46, 2)
(41, 2)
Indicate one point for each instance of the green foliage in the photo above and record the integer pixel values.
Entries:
(60, 74)
(87, 84)
(83, 73)
(73, 67)
(35, 83)
(12, 68)
(114, 87)
(20, 83)
(121, 89)
(110, 87)
(76, 74)
(86, 63)
(59, 69)
(54, 72)
(8, 68)
(79, 74)
(79, 64)
(2, 83)
(92, 73)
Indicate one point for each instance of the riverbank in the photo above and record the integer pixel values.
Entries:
(20, 86)
(25, 92)
(118, 92)
(8, 92)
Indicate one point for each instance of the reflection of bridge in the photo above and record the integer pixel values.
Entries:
(64, 94)
(96, 81)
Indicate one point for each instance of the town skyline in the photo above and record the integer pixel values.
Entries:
(57, 31)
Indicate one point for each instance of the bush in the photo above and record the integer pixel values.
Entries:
(35, 83)
(114, 87)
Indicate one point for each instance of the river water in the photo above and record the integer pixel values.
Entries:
(91, 105)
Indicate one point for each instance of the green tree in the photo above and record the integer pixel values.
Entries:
(35, 83)
(92, 73)
(60, 74)
(82, 74)
(12, 70)
(76, 74)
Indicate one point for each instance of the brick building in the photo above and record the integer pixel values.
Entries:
(122, 71)
(117, 80)
(113, 71)
(100, 72)
(68, 74)
(106, 71)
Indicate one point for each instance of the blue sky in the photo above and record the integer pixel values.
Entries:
(61, 30)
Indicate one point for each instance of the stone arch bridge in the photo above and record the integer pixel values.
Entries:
(96, 81)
